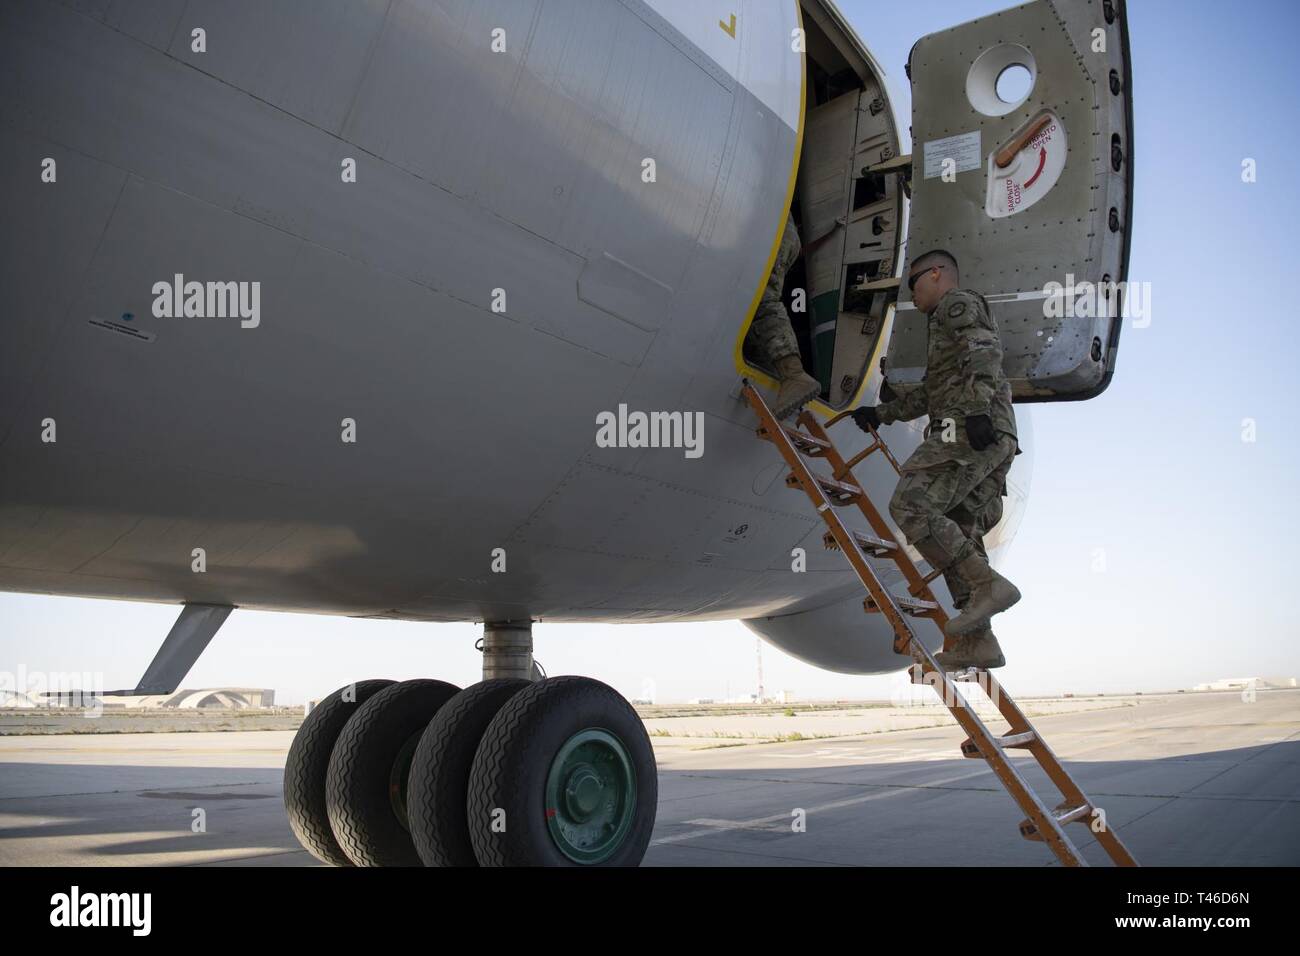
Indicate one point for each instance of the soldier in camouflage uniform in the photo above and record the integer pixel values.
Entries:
(772, 336)
(951, 488)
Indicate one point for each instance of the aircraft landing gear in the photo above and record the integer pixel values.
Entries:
(441, 769)
(307, 766)
(366, 788)
(575, 748)
(508, 772)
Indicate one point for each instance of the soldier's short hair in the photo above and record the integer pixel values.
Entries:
(936, 257)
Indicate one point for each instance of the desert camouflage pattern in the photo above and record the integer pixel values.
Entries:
(949, 494)
(944, 509)
(963, 376)
(771, 334)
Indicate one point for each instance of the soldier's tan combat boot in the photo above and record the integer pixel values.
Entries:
(979, 649)
(797, 387)
(991, 594)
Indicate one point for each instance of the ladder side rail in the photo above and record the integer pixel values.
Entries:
(1045, 821)
(1030, 803)
(772, 430)
(1072, 794)
(917, 583)
(1070, 791)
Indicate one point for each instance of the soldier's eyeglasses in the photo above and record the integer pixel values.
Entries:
(913, 280)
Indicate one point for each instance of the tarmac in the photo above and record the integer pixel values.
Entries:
(1196, 779)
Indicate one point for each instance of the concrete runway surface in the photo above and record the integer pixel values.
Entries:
(1203, 779)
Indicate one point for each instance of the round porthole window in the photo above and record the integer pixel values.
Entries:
(1014, 83)
(1001, 79)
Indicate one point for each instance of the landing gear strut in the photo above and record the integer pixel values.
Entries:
(507, 648)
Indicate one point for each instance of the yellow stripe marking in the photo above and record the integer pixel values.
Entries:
(738, 354)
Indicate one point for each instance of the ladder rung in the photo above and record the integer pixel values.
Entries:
(1070, 816)
(841, 487)
(1007, 742)
(807, 444)
(906, 603)
(839, 492)
(1030, 832)
(871, 545)
(918, 676)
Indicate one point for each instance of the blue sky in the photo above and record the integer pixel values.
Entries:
(1195, 525)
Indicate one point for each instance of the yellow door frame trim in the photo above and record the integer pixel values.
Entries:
(738, 352)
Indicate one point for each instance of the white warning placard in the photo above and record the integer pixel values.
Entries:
(963, 149)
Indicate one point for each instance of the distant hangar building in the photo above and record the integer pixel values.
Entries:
(215, 698)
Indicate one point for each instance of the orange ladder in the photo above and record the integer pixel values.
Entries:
(840, 488)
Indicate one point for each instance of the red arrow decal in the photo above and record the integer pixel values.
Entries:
(1042, 161)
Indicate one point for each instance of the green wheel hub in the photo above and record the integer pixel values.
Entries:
(590, 796)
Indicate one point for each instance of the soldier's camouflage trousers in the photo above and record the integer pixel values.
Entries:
(771, 334)
(944, 508)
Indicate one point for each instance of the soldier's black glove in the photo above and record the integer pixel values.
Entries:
(866, 417)
(979, 430)
(887, 394)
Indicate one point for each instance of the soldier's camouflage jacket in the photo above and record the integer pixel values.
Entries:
(963, 376)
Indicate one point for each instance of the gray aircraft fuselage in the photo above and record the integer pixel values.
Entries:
(415, 403)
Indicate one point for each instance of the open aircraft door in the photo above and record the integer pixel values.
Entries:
(1029, 187)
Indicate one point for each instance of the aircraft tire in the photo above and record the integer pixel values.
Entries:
(440, 772)
(307, 766)
(575, 748)
(365, 788)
